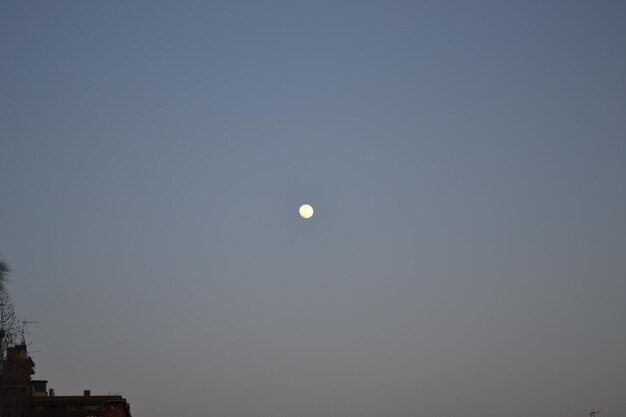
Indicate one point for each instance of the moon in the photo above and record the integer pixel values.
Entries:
(306, 211)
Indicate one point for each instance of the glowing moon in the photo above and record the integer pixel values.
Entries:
(306, 211)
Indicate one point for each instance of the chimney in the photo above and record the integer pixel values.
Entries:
(86, 393)
(51, 392)
(38, 387)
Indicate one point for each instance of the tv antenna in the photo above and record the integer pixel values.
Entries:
(24, 332)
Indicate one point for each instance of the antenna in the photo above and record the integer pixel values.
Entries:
(24, 323)
(30, 353)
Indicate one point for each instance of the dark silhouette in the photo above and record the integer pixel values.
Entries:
(4, 273)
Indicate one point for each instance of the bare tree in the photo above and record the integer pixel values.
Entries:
(9, 324)
(11, 401)
(4, 274)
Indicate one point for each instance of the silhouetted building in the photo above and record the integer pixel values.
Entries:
(85, 405)
(15, 387)
(20, 396)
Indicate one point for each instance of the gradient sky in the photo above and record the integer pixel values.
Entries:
(467, 166)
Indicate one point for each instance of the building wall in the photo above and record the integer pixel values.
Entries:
(80, 406)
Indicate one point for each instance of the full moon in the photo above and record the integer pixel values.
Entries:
(306, 211)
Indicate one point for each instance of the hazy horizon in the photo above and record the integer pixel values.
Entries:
(466, 162)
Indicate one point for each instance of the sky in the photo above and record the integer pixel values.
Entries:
(467, 166)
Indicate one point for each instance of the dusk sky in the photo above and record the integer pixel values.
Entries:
(467, 166)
